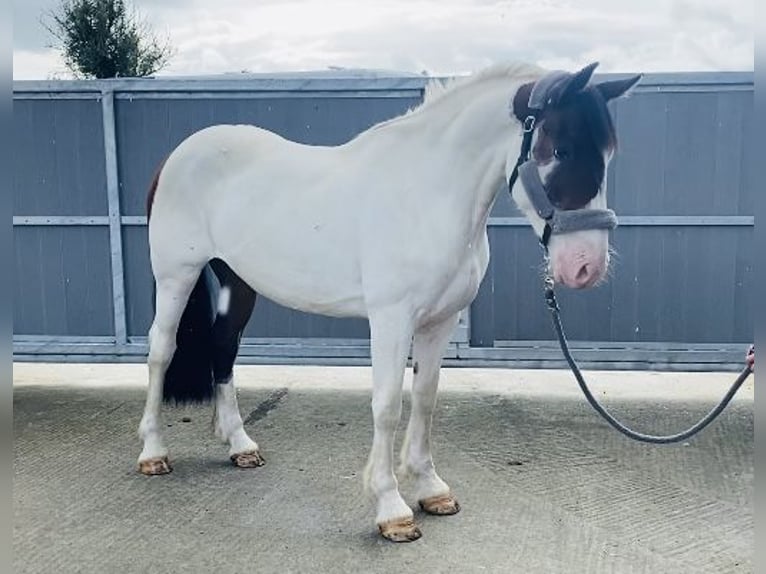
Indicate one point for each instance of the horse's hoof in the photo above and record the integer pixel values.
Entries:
(250, 459)
(155, 466)
(442, 505)
(400, 530)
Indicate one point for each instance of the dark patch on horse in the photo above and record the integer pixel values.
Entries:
(266, 406)
(207, 343)
(189, 378)
(153, 188)
(228, 327)
(577, 131)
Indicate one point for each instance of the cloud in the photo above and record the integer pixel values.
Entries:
(37, 65)
(442, 37)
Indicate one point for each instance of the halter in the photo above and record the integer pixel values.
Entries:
(557, 221)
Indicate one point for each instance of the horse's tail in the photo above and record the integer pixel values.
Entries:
(189, 378)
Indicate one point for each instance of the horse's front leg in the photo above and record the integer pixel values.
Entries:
(390, 338)
(432, 492)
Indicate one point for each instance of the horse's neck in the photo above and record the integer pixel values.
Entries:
(468, 135)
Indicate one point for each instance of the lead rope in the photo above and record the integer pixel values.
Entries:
(553, 307)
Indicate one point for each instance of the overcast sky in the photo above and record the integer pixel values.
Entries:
(436, 36)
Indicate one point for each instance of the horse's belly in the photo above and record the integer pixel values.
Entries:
(301, 265)
(330, 302)
(303, 291)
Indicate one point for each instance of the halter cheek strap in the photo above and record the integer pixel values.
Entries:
(545, 92)
(561, 221)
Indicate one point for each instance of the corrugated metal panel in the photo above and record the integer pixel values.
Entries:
(274, 321)
(58, 158)
(62, 281)
(138, 280)
(683, 154)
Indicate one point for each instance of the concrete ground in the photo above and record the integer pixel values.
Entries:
(545, 486)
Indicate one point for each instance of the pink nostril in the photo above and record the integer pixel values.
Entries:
(586, 275)
(583, 274)
(580, 274)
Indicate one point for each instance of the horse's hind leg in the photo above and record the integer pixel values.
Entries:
(432, 492)
(172, 294)
(235, 305)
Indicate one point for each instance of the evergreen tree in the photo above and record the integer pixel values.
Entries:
(103, 39)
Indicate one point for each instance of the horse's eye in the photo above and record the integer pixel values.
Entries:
(560, 153)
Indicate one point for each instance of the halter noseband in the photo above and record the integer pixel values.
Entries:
(557, 221)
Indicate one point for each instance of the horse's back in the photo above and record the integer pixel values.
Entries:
(218, 151)
(215, 165)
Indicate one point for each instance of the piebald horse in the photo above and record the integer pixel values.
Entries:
(390, 226)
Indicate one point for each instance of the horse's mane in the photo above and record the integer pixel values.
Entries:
(438, 89)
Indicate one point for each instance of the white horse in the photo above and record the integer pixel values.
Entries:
(390, 226)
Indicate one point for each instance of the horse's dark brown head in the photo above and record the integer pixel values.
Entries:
(575, 136)
(572, 144)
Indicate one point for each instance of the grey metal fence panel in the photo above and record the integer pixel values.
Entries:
(684, 154)
(683, 184)
(58, 158)
(62, 281)
(138, 280)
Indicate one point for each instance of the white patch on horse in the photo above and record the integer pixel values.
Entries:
(599, 201)
(224, 300)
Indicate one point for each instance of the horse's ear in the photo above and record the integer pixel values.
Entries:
(578, 81)
(521, 102)
(617, 88)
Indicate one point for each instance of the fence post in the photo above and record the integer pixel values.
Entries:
(115, 224)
